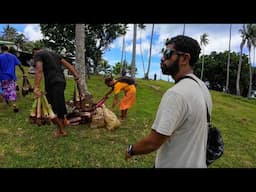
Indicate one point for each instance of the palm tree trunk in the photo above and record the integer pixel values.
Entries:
(150, 50)
(142, 60)
(239, 69)
(122, 61)
(202, 69)
(250, 75)
(133, 64)
(228, 64)
(80, 57)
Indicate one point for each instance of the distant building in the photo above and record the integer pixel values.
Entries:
(7, 43)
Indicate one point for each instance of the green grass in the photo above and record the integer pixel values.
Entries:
(23, 145)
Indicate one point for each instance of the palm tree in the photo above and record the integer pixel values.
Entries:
(228, 64)
(19, 41)
(80, 59)
(9, 33)
(150, 50)
(251, 42)
(133, 63)
(248, 34)
(203, 42)
(184, 26)
(122, 68)
(142, 27)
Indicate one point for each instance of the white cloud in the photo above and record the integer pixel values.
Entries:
(218, 35)
(33, 32)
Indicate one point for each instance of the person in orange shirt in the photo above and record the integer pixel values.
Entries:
(129, 97)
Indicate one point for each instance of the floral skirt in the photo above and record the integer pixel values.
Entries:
(9, 90)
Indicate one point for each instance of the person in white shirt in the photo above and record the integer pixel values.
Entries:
(179, 132)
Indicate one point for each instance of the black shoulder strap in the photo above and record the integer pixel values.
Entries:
(189, 77)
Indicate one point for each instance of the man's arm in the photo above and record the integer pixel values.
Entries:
(38, 77)
(70, 67)
(21, 68)
(115, 101)
(109, 92)
(148, 144)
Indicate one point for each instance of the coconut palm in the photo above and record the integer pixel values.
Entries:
(184, 26)
(133, 63)
(142, 27)
(228, 64)
(203, 42)
(20, 41)
(150, 50)
(248, 34)
(122, 69)
(9, 33)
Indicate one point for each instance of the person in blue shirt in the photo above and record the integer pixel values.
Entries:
(8, 63)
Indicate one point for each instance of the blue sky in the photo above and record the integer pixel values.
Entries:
(218, 35)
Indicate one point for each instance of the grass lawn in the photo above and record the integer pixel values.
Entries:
(23, 145)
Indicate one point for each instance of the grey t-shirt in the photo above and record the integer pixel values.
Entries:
(182, 116)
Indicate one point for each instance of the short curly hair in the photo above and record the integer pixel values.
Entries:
(188, 45)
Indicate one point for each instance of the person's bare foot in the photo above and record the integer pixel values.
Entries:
(59, 134)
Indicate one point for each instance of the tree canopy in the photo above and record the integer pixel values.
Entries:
(215, 71)
(98, 38)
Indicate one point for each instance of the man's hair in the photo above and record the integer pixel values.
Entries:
(4, 48)
(188, 45)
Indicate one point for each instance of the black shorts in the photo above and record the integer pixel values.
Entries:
(55, 96)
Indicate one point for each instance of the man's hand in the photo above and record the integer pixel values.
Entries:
(77, 79)
(37, 92)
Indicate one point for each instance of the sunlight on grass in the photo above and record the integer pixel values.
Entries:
(23, 145)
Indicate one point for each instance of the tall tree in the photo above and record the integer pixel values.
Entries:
(184, 26)
(98, 37)
(215, 71)
(203, 42)
(133, 63)
(228, 64)
(248, 34)
(80, 59)
(20, 41)
(122, 68)
(142, 27)
(150, 50)
(251, 42)
(9, 33)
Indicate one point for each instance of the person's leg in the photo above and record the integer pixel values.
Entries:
(9, 93)
(125, 113)
(126, 102)
(122, 117)
(59, 107)
(61, 131)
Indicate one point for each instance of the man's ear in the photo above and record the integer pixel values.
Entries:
(186, 58)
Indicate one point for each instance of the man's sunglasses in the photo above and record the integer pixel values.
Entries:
(169, 52)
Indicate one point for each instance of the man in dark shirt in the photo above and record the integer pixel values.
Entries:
(51, 65)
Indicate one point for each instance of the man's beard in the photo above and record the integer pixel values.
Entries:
(171, 69)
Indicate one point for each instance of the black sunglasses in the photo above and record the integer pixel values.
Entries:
(169, 52)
